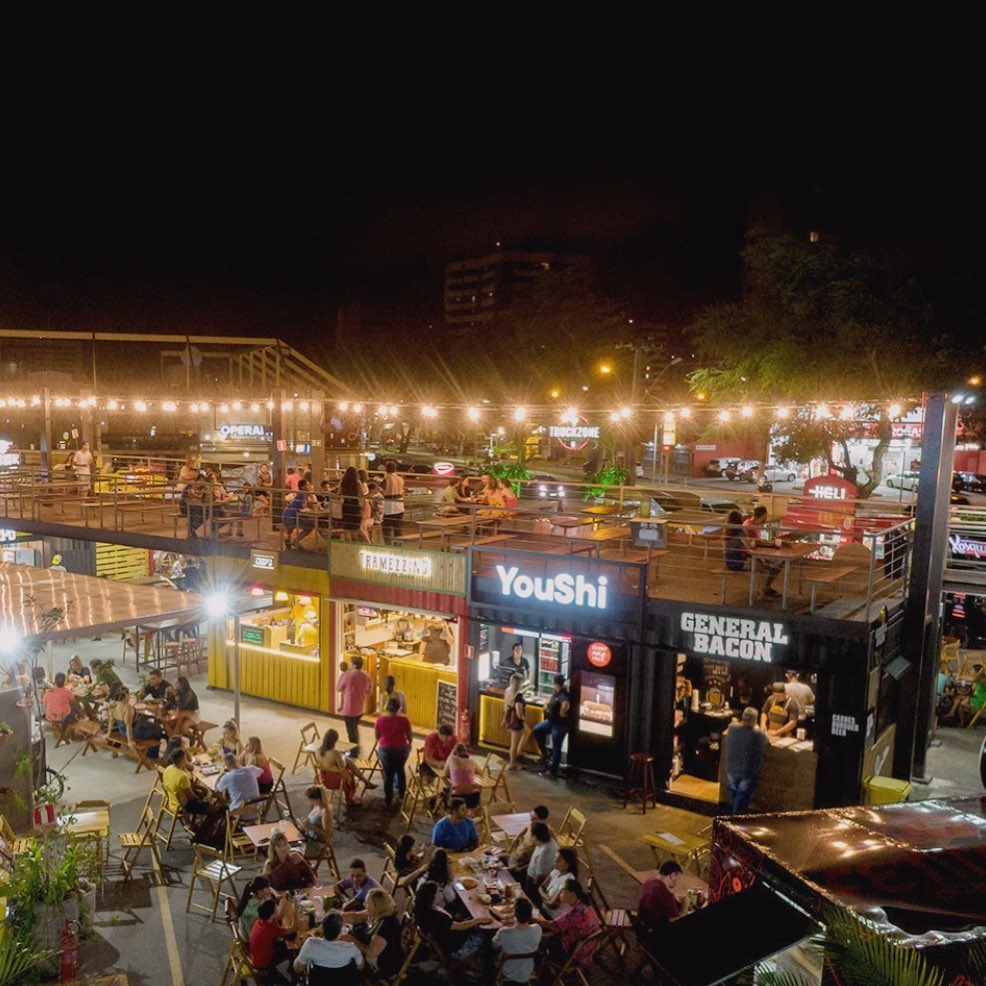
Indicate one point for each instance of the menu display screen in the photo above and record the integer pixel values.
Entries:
(596, 703)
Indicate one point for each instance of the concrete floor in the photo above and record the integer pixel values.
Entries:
(130, 932)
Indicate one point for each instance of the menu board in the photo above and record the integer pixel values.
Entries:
(715, 674)
(250, 634)
(446, 704)
(596, 703)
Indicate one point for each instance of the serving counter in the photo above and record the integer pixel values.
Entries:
(492, 732)
(419, 683)
(787, 781)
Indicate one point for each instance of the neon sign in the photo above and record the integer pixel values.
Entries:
(242, 431)
(574, 436)
(389, 561)
(731, 636)
(564, 589)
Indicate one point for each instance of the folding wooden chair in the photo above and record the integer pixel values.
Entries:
(143, 838)
(239, 970)
(278, 798)
(410, 942)
(335, 793)
(326, 854)
(421, 789)
(505, 957)
(14, 845)
(367, 768)
(615, 922)
(170, 820)
(197, 731)
(493, 780)
(309, 734)
(489, 833)
(572, 966)
(236, 841)
(571, 835)
(214, 870)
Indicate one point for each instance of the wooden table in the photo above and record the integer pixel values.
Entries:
(514, 824)
(317, 516)
(470, 898)
(92, 821)
(343, 746)
(601, 536)
(208, 780)
(260, 835)
(784, 556)
(444, 526)
(682, 846)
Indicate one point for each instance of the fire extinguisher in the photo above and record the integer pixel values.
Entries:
(70, 951)
(465, 727)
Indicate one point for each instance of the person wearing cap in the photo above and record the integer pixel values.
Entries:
(56, 564)
(307, 633)
(436, 644)
(800, 691)
(745, 745)
(780, 713)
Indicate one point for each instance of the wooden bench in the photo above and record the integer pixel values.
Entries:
(142, 506)
(487, 539)
(62, 732)
(723, 574)
(640, 556)
(418, 536)
(96, 739)
(823, 576)
(199, 729)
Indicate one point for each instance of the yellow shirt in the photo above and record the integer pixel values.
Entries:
(306, 635)
(177, 787)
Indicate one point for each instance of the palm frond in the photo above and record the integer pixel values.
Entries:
(16, 958)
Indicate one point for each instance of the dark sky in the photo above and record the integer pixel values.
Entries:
(273, 242)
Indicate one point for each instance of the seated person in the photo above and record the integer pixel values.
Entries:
(542, 859)
(658, 904)
(183, 794)
(735, 553)
(318, 825)
(518, 936)
(59, 702)
(355, 886)
(268, 948)
(760, 531)
(107, 681)
(155, 687)
(408, 860)
(230, 741)
(457, 939)
(78, 673)
(334, 768)
(285, 868)
(577, 922)
(253, 755)
(239, 784)
(382, 947)
(779, 715)
(461, 771)
(456, 831)
(121, 716)
(254, 894)
(440, 874)
(330, 951)
(439, 744)
(566, 868)
(524, 843)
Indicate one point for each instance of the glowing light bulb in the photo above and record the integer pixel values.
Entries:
(35, 401)
(847, 413)
(685, 412)
(358, 408)
(614, 416)
(822, 411)
(429, 412)
(394, 410)
(783, 412)
(169, 406)
(270, 405)
(112, 405)
(254, 407)
(747, 411)
(237, 406)
(724, 416)
(894, 410)
(304, 405)
(140, 406)
(625, 412)
(287, 406)
(472, 413)
(224, 409)
(343, 405)
(520, 413)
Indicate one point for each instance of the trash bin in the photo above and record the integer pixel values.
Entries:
(885, 791)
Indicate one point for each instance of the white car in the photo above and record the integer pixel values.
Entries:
(902, 480)
(776, 473)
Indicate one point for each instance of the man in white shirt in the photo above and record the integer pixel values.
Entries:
(241, 784)
(82, 463)
(326, 952)
(800, 691)
(518, 937)
(393, 502)
(543, 858)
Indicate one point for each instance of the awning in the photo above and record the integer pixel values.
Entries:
(89, 605)
(712, 945)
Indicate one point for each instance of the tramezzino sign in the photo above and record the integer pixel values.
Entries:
(393, 563)
(734, 637)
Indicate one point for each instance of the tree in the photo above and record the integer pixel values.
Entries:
(815, 324)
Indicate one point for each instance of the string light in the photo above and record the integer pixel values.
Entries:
(894, 410)
(343, 406)
(847, 413)
(429, 412)
(237, 405)
(625, 412)
(783, 413)
(35, 400)
(304, 405)
(169, 406)
(140, 406)
(112, 405)
(394, 410)
(254, 407)
(224, 409)
(472, 413)
(614, 416)
(520, 413)
(358, 408)
(723, 416)
(747, 411)
(270, 405)
(685, 412)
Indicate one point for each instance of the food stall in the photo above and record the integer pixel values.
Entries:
(574, 616)
(711, 662)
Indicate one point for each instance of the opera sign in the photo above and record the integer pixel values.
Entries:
(733, 636)
(242, 431)
(599, 654)
(562, 590)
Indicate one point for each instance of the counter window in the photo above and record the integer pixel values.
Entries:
(504, 651)
(417, 649)
(290, 626)
(710, 693)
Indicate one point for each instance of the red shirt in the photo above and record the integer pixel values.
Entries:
(394, 731)
(263, 935)
(355, 685)
(439, 748)
(657, 904)
(58, 703)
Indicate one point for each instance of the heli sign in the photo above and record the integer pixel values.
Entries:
(732, 636)
(562, 590)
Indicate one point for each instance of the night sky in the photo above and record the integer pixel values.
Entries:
(269, 244)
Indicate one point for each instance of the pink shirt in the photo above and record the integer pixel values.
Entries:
(292, 480)
(355, 685)
(58, 704)
(394, 731)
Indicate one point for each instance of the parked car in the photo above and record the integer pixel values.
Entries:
(716, 467)
(968, 482)
(740, 468)
(774, 473)
(666, 502)
(542, 486)
(902, 480)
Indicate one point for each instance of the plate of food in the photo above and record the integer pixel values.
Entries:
(469, 883)
(485, 899)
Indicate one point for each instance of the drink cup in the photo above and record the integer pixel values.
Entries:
(800, 734)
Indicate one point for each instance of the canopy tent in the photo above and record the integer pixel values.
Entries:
(89, 605)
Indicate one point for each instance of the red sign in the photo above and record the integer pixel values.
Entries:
(599, 654)
(832, 492)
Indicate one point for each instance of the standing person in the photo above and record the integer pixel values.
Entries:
(352, 504)
(780, 712)
(394, 737)
(82, 463)
(800, 691)
(354, 686)
(393, 507)
(365, 507)
(390, 690)
(515, 718)
(292, 479)
(436, 644)
(377, 503)
(555, 723)
(515, 664)
(745, 744)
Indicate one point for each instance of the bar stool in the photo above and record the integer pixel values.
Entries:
(640, 781)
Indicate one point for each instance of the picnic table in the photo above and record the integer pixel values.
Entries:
(783, 555)
(443, 526)
(260, 835)
(601, 536)
(474, 898)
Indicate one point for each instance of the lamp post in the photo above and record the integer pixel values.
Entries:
(217, 608)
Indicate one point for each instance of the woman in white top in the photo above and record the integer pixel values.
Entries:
(566, 868)
(319, 824)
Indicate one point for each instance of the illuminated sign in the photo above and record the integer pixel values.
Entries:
(242, 431)
(731, 636)
(8, 458)
(574, 436)
(390, 561)
(563, 590)
(828, 492)
(964, 547)
(443, 468)
(599, 654)
(264, 561)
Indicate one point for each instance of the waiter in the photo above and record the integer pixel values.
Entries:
(515, 664)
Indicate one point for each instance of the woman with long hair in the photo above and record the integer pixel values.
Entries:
(335, 769)
(461, 771)
(573, 925)
(318, 825)
(230, 740)
(394, 737)
(457, 939)
(352, 503)
(285, 868)
(381, 945)
(566, 869)
(254, 894)
(515, 718)
(253, 756)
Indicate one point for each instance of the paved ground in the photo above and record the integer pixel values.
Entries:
(142, 927)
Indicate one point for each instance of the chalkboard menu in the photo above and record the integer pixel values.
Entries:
(250, 634)
(446, 703)
(715, 674)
